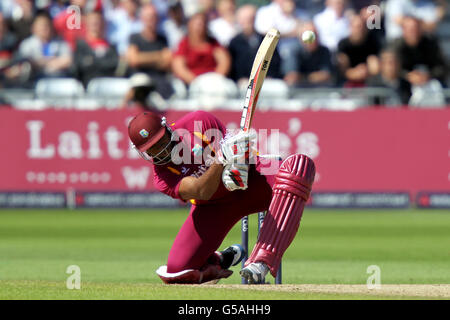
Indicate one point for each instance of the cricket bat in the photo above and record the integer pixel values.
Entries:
(258, 74)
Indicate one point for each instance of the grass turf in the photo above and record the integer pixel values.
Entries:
(118, 252)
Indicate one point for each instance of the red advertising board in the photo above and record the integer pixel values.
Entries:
(369, 150)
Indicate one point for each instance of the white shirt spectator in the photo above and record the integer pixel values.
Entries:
(223, 31)
(271, 16)
(331, 28)
(424, 10)
(7, 7)
(120, 28)
(33, 48)
(173, 33)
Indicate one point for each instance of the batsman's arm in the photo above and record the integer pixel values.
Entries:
(204, 187)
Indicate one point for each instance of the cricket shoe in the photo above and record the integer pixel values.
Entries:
(255, 272)
(231, 256)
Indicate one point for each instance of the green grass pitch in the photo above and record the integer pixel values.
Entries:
(118, 252)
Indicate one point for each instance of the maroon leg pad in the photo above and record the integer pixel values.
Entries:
(291, 190)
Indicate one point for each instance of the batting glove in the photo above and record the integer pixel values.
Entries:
(235, 176)
(237, 148)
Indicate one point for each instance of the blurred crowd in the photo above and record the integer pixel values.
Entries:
(389, 44)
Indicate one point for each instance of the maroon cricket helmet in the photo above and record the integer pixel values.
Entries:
(145, 130)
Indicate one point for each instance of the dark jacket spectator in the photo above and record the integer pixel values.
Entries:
(20, 23)
(357, 53)
(311, 64)
(243, 51)
(139, 94)
(94, 56)
(148, 52)
(243, 47)
(8, 42)
(420, 55)
(390, 78)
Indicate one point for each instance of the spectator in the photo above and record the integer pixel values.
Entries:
(198, 53)
(94, 56)
(311, 65)
(123, 22)
(357, 54)
(7, 7)
(310, 7)
(56, 7)
(69, 26)
(138, 96)
(162, 7)
(21, 20)
(49, 55)
(109, 6)
(148, 52)
(358, 5)
(279, 14)
(332, 24)
(111, 9)
(8, 43)
(390, 77)
(428, 11)
(225, 27)
(174, 26)
(420, 55)
(375, 32)
(284, 16)
(208, 7)
(244, 46)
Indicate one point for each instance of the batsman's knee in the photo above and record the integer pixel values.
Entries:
(296, 175)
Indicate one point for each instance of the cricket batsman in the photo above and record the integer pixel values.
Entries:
(195, 160)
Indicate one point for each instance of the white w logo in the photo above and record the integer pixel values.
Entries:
(136, 178)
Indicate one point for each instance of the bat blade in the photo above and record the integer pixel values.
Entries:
(260, 67)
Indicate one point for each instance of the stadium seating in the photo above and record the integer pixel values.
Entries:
(212, 89)
(109, 92)
(59, 92)
(59, 88)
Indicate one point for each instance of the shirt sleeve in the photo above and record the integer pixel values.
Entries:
(167, 182)
(134, 39)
